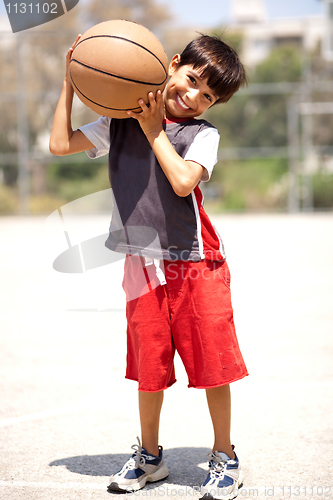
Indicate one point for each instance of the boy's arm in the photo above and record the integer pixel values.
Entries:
(63, 140)
(183, 175)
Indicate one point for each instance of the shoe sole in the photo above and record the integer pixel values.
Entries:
(158, 475)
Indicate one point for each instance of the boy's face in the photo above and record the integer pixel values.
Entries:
(186, 95)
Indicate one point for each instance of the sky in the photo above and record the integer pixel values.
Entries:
(211, 12)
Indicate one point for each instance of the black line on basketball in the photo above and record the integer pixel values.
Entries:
(101, 105)
(126, 40)
(115, 76)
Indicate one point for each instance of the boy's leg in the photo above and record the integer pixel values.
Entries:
(150, 404)
(225, 476)
(219, 404)
(146, 463)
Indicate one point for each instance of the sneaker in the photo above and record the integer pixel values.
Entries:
(224, 479)
(139, 469)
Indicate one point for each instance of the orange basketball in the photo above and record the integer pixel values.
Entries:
(116, 63)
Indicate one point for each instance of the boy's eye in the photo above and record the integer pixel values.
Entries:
(208, 97)
(192, 80)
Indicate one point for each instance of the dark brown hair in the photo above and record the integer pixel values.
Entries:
(216, 61)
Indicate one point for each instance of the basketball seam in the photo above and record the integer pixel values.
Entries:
(115, 76)
(130, 41)
(101, 105)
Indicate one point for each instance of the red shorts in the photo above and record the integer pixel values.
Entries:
(192, 313)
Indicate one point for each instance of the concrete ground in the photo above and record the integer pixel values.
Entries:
(67, 415)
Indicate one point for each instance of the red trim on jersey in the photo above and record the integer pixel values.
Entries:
(177, 120)
(212, 243)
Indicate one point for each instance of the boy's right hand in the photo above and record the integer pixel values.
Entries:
(69, 55)
(151, 116)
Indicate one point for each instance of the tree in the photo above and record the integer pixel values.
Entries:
(260, 120)
(147, 12)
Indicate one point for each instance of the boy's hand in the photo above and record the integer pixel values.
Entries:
(69, 55)
(151, 117)
(182, 175)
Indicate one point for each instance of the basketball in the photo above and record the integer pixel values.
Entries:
(116, 63)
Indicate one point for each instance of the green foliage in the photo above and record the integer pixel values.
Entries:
(44, 204)
(259, 120)
(250, 185)
(71, 180)
(284, 64)
(67, 169)
(323, 190)
(9, 203)
(10, 174)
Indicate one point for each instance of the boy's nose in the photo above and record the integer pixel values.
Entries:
(192, 93)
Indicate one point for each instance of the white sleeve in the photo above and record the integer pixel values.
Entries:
(99, 134)
(203, 150)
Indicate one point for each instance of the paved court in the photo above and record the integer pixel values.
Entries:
(68, 417)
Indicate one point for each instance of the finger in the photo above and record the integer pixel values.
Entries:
(151, 99)
(143, 105)
(70, 50)
(68, 57)
(159, 99)
(77, 40)
(131, 114)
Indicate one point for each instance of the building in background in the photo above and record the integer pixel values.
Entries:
(328, 41)
(262, 34)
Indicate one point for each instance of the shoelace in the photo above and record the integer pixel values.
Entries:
(217, 465)
(137, 459)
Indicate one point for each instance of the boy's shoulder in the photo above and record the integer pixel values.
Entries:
(193, 125)
(204, 122)
(183, 133)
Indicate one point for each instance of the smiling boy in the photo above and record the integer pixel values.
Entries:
(157, 158)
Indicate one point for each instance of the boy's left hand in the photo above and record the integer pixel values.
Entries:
(151, 117)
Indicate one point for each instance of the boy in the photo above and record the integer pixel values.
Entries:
(157, 158)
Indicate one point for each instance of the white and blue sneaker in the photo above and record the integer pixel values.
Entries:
(224, 479)
(139, 469)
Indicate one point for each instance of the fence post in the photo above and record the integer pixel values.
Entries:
(22, 126)
(293, 156)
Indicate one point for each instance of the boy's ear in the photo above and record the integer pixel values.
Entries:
(174, 64)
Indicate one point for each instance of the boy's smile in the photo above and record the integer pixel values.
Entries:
(187, 94)
(181, 103)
